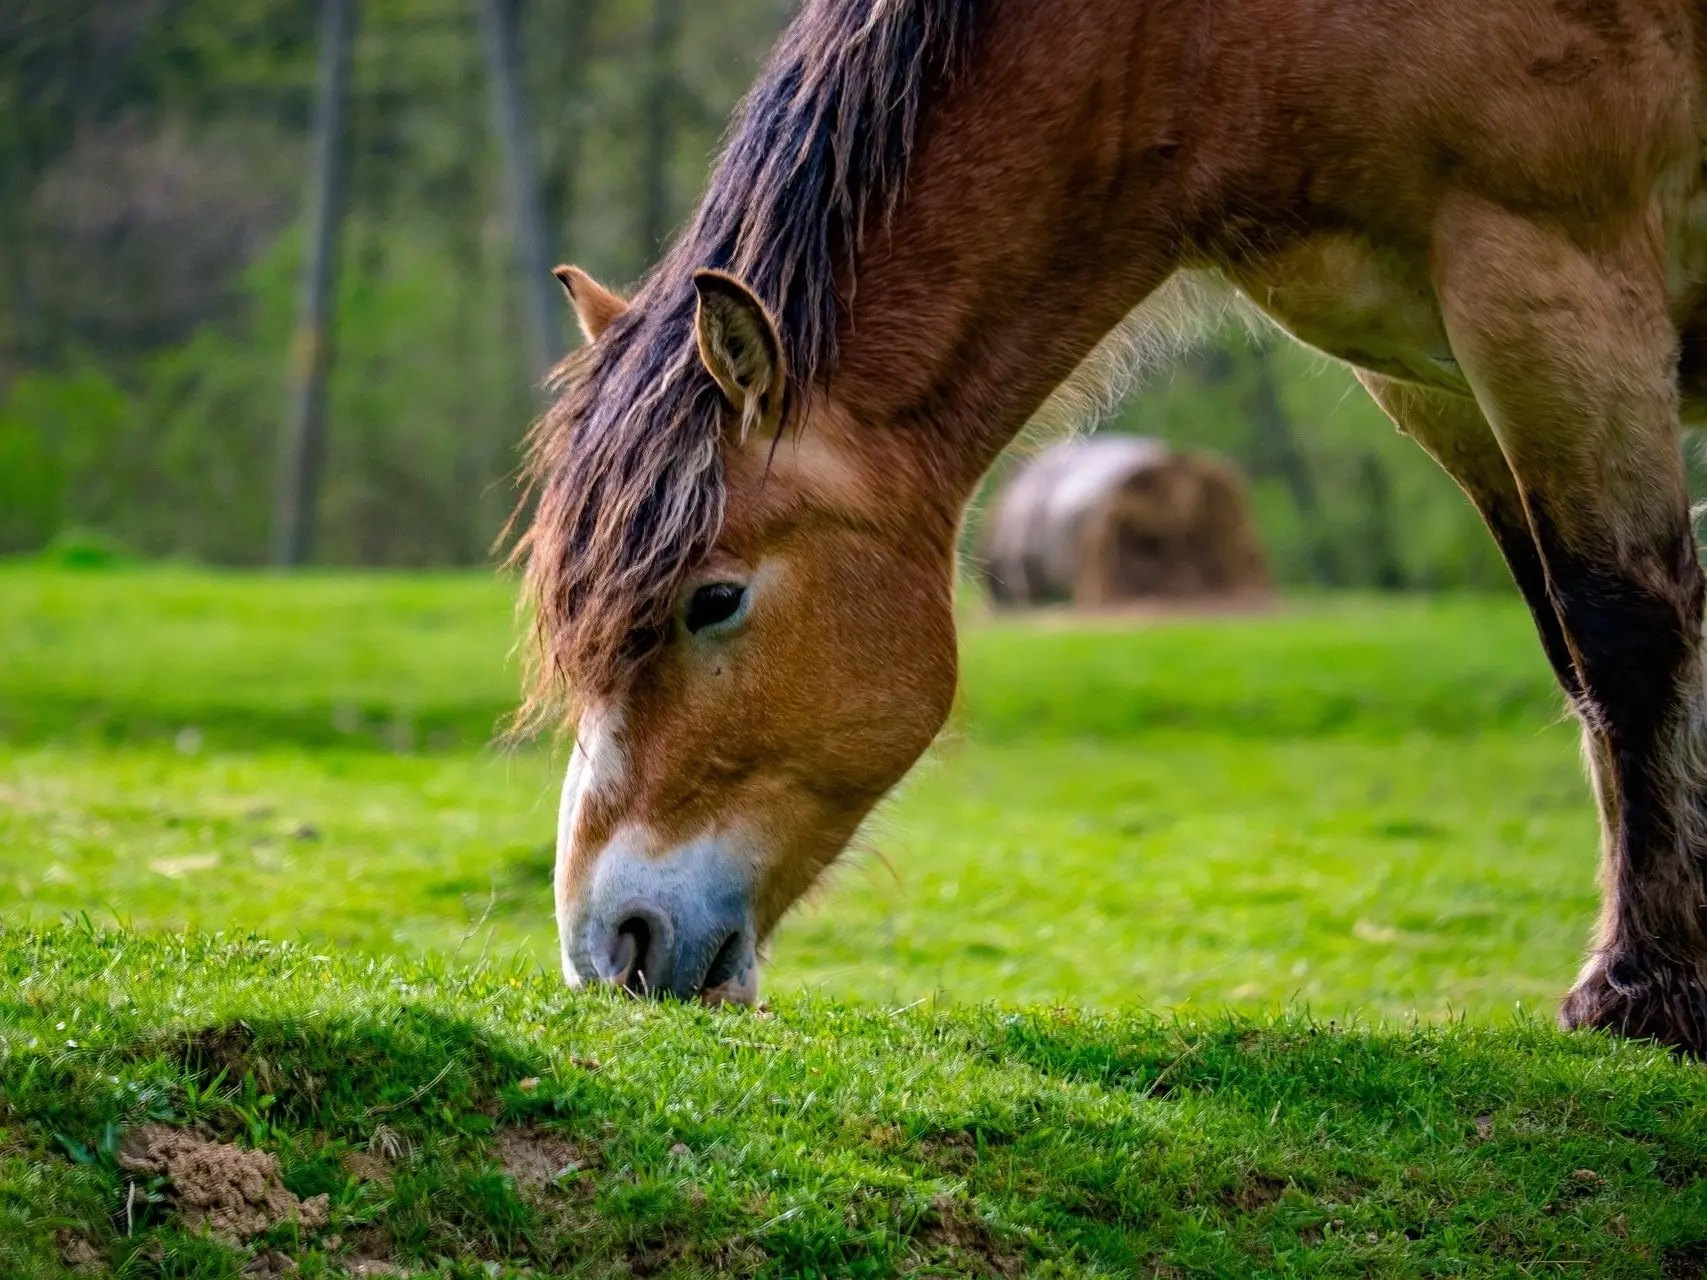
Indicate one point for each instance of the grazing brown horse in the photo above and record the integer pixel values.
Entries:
(928, 216)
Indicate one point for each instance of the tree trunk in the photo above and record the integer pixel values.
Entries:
(1381, 543)
(541, 305)
(660, 128)
(302, 455)
(561, 82)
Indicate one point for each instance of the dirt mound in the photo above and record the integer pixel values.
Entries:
(76, 1253)
(366, 1166)
(954, 1228)
(535, 1158)
(271, 1265)
(229, 1191)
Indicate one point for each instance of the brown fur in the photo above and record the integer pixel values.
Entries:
(596, 307)
(1494, 208)
(627, 465)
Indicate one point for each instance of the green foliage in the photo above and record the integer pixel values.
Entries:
(147, 257)
(146, 243)
(57, 439)
(85, 549)
(181, 462)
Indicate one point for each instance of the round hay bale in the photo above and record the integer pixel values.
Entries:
(1106, 521)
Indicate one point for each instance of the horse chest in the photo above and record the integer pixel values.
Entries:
(1369, 307)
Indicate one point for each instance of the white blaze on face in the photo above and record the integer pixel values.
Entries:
(596, 765)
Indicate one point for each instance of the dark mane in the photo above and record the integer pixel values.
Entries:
(626, 464)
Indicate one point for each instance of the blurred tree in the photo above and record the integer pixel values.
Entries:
(151, 162)
(656, 211)
(541, 306)
(564, 35)
(303, 446)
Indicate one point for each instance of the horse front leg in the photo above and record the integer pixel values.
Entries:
(1573, 358)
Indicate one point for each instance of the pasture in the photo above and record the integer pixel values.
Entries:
(1361, 806)
(1215, 947)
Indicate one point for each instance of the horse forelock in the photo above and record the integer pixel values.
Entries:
(626, 464)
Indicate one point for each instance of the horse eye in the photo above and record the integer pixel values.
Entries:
(713, 603)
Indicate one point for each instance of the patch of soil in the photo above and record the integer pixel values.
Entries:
(371, 1254)
(956, 1150)
(366, 1166)
(227, 1049)
(1585, 1182)
(1685, 1264)
(270, 1265)
(952, 1226)
(229, 1191)
(676, 1255)
(885, 1137)
(536, 1157)
(77, 1253)
(1257, 1192)
(656, 1257)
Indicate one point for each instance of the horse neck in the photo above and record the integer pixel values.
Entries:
(1018, 245)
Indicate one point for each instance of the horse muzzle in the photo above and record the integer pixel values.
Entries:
(678, 923)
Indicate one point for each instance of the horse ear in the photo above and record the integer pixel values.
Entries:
(595, 306)
(739, 347)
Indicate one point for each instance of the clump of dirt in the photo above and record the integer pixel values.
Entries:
(77, 1253)
(536, 1157)
(271, 1265)
(226, 1190)
(370, 1255)
(957, 1150)
(953, 1226)
(954, 1150)
(366, 1166)
(1257, 1192)
(649, 1260)
(227, 1051)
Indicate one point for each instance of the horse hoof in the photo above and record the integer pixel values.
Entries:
(1663, 1003)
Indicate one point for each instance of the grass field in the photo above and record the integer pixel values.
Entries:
(1151, 968)
(1365, 806)
(487, 1122)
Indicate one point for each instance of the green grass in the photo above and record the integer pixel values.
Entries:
(819, 1138)
(1360, 805)
(1225, 947)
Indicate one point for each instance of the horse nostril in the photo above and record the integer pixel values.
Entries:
(725, 965)
(651, 947)
(632, 965)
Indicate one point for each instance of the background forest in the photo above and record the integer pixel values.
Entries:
(153, 156)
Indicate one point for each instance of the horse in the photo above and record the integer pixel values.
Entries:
(932, 218)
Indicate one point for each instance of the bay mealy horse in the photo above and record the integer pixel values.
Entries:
(929, 214)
